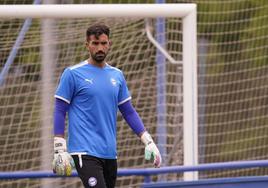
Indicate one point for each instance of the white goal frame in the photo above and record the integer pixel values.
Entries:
(185, 11)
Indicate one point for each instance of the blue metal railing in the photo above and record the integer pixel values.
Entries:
(147, 172)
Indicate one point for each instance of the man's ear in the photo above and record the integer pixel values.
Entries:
(110, 42)
(86, 44)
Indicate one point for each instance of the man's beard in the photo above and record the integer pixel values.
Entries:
(99, 57)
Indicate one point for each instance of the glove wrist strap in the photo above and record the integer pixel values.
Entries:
(59, 144)
(146, 138)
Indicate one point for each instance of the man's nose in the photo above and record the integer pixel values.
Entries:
(100, 47)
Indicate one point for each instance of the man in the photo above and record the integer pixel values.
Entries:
(92, 92)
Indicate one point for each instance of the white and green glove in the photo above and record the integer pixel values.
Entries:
(63, 162)
(151, 151)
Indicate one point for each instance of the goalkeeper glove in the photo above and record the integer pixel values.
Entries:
(62, 162)
(151, 151)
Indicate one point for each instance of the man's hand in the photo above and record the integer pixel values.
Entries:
(62, 162)
(151, 151)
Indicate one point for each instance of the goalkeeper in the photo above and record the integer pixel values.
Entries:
(92, 92)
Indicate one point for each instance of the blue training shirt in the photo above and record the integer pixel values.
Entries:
(94, 94)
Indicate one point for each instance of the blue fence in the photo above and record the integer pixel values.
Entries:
(241, 182)
(245, 182)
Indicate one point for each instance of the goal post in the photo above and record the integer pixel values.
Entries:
(187, 14)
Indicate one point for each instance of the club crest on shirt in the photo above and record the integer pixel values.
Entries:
(113, 81)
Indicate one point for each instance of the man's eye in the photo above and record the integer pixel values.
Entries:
(104, 43)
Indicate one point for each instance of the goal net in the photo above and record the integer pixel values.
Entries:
(232, 66)
(29, 80)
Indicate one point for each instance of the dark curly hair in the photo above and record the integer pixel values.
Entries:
(97, 30)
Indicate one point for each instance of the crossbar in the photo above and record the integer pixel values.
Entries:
(95, 10)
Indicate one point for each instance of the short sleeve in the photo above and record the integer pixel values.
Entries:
(124, 94)
(66, 87)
